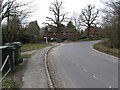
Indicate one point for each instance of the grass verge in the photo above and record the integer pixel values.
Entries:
(89, 39)
(7, 83)
(26, 55)
(28, 47)
(107, 50)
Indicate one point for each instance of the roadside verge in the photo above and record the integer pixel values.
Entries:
(99, 47)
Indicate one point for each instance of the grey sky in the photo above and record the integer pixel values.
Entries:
(71, 6)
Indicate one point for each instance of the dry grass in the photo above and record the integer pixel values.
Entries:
(105, 49)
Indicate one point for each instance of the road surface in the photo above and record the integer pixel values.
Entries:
(80, 66)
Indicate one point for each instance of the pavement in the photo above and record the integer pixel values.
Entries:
(35, 73)
(77, 65)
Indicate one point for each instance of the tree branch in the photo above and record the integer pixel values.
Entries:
(96, 15)
(63, 17)
(51, 19)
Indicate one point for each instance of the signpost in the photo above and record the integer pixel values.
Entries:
(46, 39)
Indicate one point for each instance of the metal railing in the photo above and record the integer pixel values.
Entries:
(9, 71)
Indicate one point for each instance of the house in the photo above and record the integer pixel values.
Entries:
(64, 34)
(94, 31)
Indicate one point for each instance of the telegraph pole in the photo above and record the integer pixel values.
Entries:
(1, 1)
(8, 19)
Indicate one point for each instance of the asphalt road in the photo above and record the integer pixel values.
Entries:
(80, 66)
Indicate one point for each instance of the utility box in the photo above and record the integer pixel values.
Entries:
(7, 53)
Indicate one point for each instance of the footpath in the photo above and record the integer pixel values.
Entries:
(35, 73)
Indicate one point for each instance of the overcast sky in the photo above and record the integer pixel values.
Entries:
(71, 6)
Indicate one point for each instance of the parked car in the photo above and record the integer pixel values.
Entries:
(53, 39)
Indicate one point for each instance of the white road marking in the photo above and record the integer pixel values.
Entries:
(95, 77)
(85, 70)
(82, 68)
(23, 79)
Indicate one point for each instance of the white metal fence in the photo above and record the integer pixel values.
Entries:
(9, 70)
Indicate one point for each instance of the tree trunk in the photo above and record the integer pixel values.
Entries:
(59, 32)
(88, 31)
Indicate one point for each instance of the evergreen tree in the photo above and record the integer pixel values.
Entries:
(34, 32)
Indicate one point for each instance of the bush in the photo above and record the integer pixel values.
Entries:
(112, 34)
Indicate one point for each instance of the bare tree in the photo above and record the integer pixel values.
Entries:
(10, 9)
(1, 1)
(59, 16)
(88, 17)
(111, 25)
(76, 22)
(75, 19)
